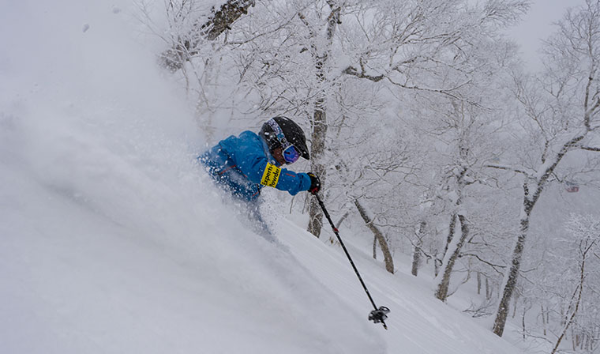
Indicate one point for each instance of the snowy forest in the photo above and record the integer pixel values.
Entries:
(425, 125)
(441, 153)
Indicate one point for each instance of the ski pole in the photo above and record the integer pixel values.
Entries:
(378, 314)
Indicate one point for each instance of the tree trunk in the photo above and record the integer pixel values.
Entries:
(450, 259)
(544, 324)
(374, 247)
(387, 255)
(440, 261)
(339, 223)
(524, 329)
(515, 305)
(571, 318)
(315, 214)
(319, 133)
(416, 263)
(513, 273)
(450, 234)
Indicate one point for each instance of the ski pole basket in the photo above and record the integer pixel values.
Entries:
(379, 315)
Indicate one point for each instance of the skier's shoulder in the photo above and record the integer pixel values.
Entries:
(243, 138)
(249, 136)
(246, 142)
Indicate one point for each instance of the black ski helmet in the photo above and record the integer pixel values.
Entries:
(292, 132)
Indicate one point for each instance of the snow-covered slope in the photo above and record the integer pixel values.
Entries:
(113, 241)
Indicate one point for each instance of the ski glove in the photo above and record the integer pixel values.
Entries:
(315, 183)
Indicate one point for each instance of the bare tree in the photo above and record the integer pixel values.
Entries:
(387, 255)
(562, 107)
(586, 239)
(432, 50)
(465, 129)
(369, 220)
(425, 46)
(185, 45)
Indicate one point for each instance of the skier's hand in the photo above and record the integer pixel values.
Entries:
(315, 183)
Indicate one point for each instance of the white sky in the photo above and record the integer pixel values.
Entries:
(537, 25)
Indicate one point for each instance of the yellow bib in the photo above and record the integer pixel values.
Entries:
(270, 177)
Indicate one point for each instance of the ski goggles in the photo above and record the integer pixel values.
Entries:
(290, 153)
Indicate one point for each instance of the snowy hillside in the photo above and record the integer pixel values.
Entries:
(113, 241)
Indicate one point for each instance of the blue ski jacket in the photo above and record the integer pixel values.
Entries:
(243, 165)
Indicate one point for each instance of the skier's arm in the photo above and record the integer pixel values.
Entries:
(255, 166)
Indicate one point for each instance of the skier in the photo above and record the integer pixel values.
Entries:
(243, 165)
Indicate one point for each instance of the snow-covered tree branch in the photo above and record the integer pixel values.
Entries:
(562, 103)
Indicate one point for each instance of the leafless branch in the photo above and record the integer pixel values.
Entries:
(589, 148)
(352, 71)
(496, 267)
(508, 168)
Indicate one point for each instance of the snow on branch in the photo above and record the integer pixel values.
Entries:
(506, 12)
(448, 92)
(352, 71)
(218, 22)
(512, 169)
(589, 148)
